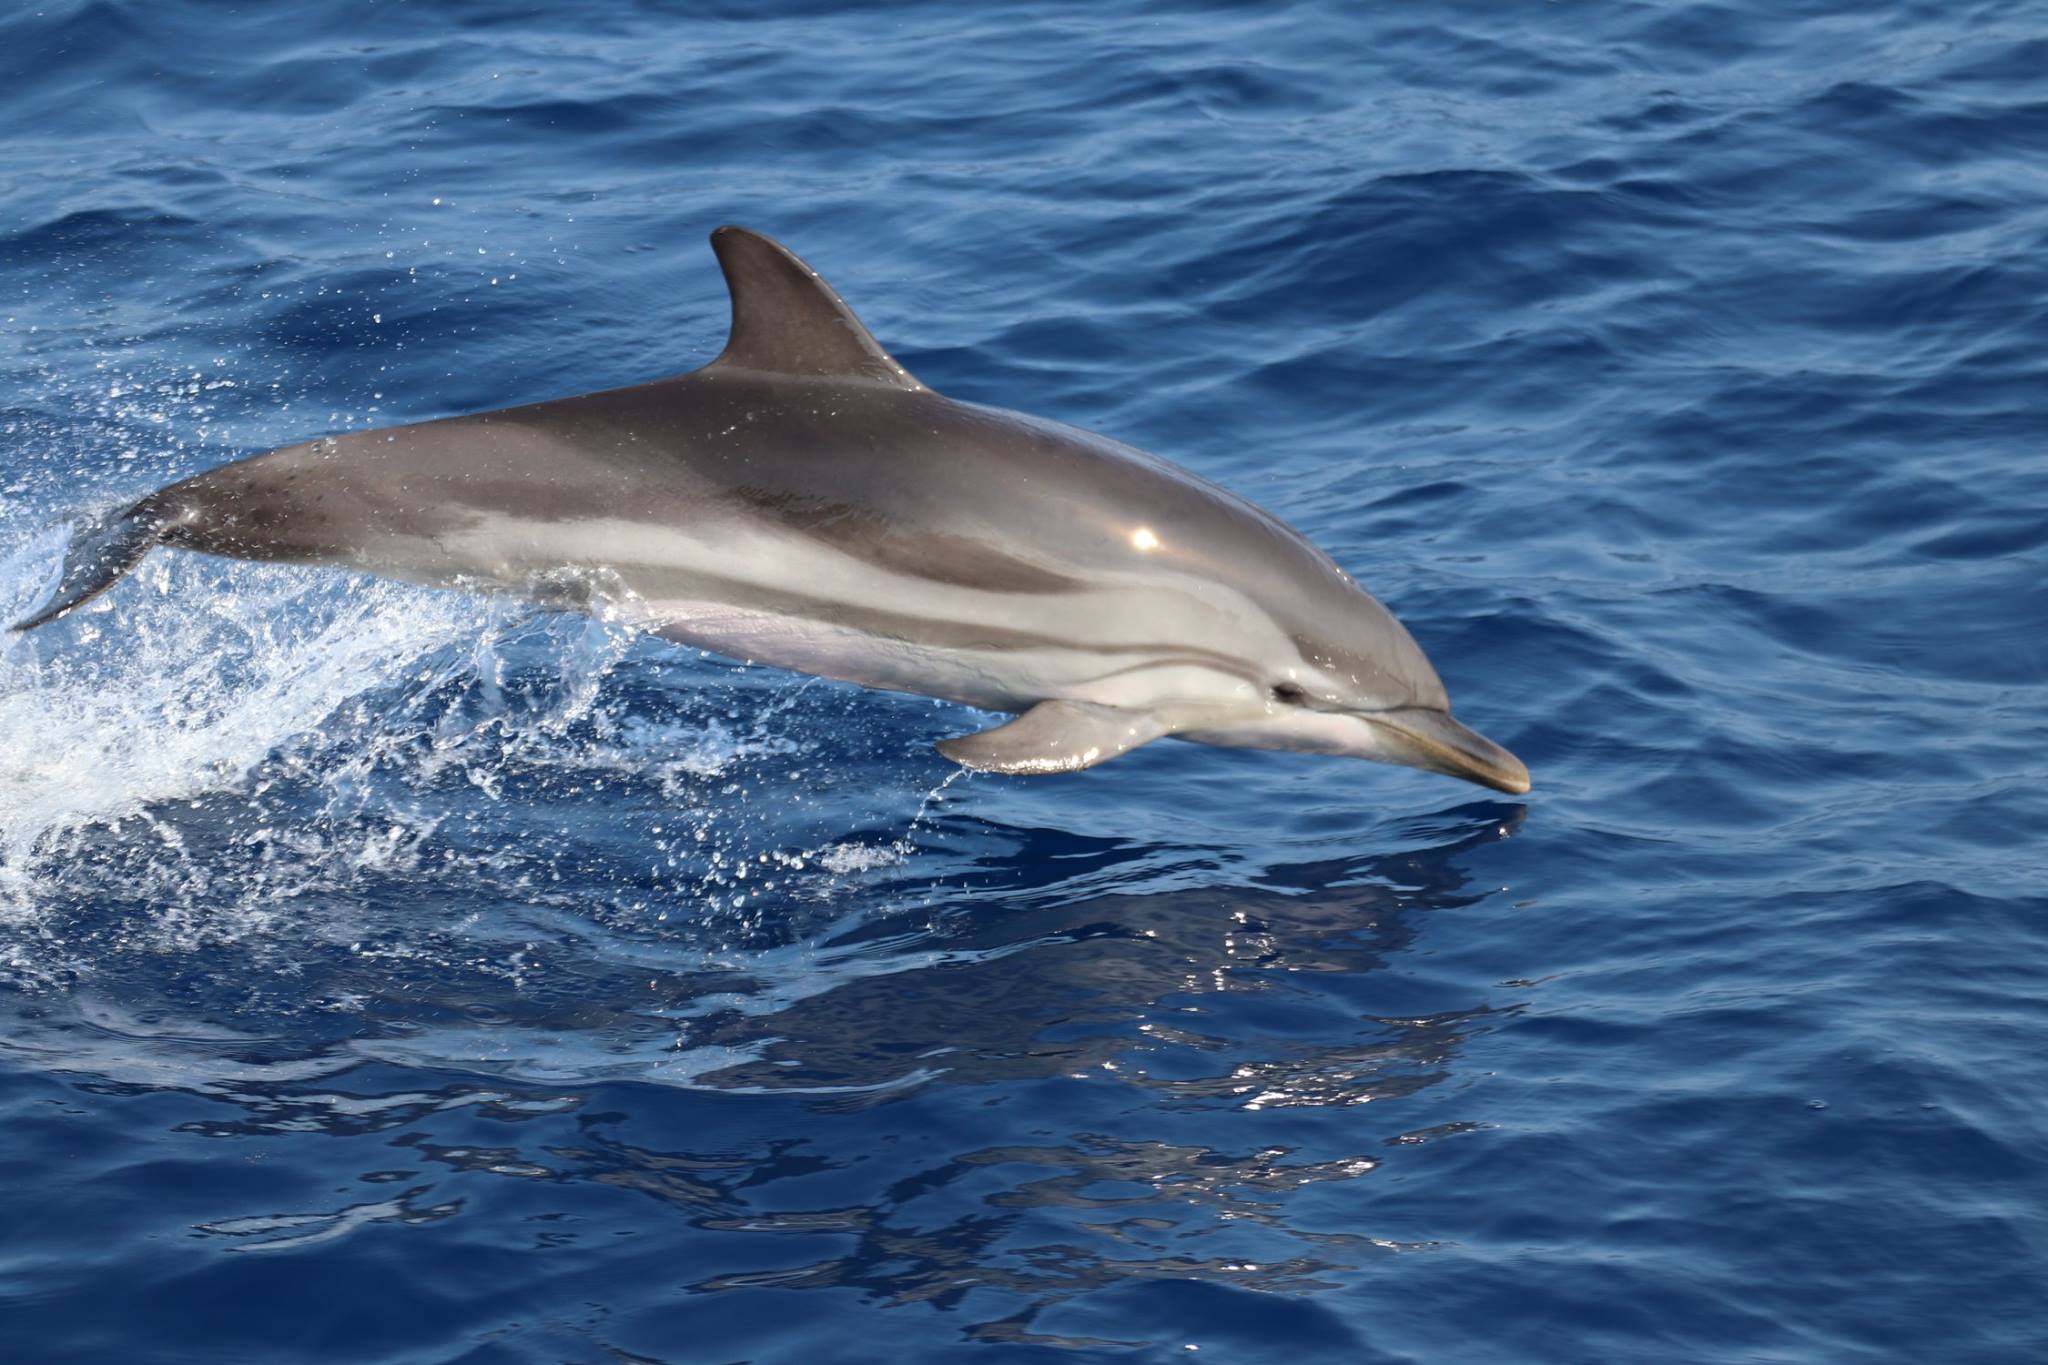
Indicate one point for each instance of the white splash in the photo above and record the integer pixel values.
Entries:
(183, 682)
(321, 792)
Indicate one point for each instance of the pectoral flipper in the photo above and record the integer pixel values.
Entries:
(1055, 737)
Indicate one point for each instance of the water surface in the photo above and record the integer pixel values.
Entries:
(397, 976)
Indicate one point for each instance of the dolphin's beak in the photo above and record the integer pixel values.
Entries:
(1427, 738)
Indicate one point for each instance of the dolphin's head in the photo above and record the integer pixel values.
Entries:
(1351, 680)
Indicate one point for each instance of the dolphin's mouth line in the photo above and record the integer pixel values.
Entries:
(1452, 748)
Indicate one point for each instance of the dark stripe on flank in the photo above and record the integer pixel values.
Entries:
(959, 561)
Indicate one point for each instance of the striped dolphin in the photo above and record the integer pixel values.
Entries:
(804, 501)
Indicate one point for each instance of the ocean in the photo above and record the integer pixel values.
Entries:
(390, 975)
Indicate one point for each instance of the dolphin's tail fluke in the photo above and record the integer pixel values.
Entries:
(100, 552)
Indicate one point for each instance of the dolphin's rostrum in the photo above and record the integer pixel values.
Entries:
(804, 501)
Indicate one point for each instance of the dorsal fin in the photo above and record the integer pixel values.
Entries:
(787, 320)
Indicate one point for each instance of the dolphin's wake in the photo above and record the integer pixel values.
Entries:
(270, 764)
(216, 669)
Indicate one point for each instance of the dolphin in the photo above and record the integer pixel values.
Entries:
(804, 501)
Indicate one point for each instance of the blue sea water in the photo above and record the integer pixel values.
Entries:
(396, 976)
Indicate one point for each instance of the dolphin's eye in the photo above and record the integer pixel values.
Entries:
(1294, 694)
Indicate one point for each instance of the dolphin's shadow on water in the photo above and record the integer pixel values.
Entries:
(1037, 983)
(1020, 1095)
